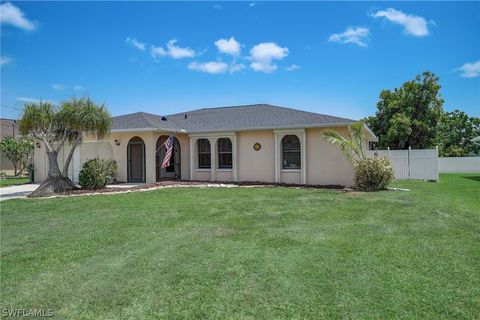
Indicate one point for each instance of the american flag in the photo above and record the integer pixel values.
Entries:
(168, 152)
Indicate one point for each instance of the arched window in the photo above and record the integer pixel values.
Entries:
(224, 153)
(204, 157)
(291, 152)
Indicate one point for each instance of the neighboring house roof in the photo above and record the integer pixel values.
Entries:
(8, 127)
(237, 118)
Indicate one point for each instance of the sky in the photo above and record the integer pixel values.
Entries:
(165, 57)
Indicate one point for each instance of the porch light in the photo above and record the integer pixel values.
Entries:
(117, 142)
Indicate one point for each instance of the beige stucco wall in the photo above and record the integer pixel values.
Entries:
(256, 165)
(323, 163)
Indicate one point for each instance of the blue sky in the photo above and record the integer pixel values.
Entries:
(164, 57)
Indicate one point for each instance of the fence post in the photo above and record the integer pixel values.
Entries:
(408, 161)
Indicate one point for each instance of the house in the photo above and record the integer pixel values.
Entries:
(8, 128)
(242, 143)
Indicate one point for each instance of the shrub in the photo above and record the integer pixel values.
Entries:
(97, 173)
(372, 174)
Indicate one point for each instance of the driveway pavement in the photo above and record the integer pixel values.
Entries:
(15, 192)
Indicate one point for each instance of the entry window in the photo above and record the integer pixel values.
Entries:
(203, 147)
(224, 153)
(291, 152)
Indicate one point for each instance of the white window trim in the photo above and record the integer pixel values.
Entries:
(301, 134)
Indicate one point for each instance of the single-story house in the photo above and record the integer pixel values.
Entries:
(242, 143)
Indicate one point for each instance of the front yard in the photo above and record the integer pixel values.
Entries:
(257, 253)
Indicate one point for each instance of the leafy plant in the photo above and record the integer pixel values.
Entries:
(370, 174)
(18, 151)
(97, 173)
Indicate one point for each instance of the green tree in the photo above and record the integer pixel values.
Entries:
(409, 116)
(455, 135)
(18, 151)
(57, 127)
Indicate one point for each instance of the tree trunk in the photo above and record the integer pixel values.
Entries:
(55, 182)
(69, 157)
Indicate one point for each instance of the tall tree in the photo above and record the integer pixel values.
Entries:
(18, 151)
(455, 135)
(409, 116)
(58, 127)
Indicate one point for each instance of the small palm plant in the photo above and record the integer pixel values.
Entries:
(350, 147)
(371, 174)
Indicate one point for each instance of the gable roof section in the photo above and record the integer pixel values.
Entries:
(239, 118)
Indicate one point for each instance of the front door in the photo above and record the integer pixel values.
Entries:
(173, 170)
(136, 160)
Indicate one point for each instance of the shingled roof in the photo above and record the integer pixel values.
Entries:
(238, 118)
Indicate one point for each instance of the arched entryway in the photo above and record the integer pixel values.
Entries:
(173, 170)
(136, 160)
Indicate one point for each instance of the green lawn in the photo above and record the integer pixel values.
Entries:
(248, 253)
(12, 181)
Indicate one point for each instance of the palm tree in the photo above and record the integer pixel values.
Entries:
(351, 147)
(55, 127)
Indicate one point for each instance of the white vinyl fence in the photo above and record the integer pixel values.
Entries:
(411, 164)
(459, 164)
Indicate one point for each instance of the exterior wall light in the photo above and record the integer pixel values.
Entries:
(117, 142)
(38, 145)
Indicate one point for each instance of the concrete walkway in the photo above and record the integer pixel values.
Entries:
(15, 192)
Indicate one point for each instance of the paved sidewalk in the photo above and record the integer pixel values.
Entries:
(15, 192)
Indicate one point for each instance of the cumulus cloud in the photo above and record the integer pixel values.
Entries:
(252, 4)
(5, 60)
(212, 67)
(229, 46)
(292, 67)
(413, 25)
(173, 51)
(12, 15)
(57, 86)
(217, 6)
(137, 44)
(470, 69)
(236, 67)
(263, 54)
(351, 35)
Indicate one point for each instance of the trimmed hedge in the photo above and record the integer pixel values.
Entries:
(97, 173)
(372, 174)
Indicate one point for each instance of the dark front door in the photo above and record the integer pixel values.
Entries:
(136, 160)
(173, 170)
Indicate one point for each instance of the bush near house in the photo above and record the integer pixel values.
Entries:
(97, 173)
(373, 174)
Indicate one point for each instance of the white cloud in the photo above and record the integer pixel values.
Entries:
(351, 35)
(178, 52)
(137, 44)
(173, 51)
(236, 67)
(5, 60)
(263, 54)
(57, 86)
(292, 67)
(414, 25)
(77, 87)
(229, 46)
(9, 14)
(27, 99)
(252, 4)
(157, 52)
(470, 70)
(217, 6)
(212, 67)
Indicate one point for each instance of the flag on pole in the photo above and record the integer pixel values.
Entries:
(168, 152)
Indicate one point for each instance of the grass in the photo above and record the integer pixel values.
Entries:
(248, 253)
(7, 182)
